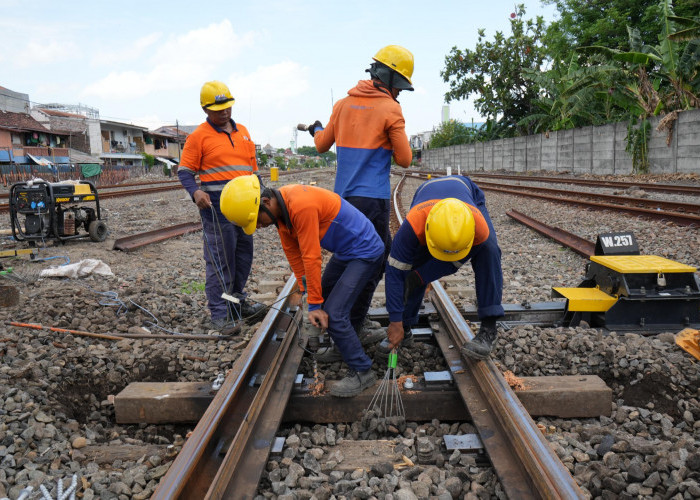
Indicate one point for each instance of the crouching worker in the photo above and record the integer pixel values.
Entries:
(307, 219)
(447, 225)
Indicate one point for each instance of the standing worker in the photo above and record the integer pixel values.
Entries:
(220, 150)
(447, 225)
(309, 218)
(368, 129)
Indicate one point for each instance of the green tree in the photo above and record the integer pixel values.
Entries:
(328, 156)
(494, 72)
(662, 79)
(451, 133)
(584, 23)
(262, 159)
(281, 162)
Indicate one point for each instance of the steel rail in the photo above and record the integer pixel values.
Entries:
(682, 219)
(579, 245)
(229, 425)
(138, 240)
(660, 188)
(676, 217)
(523, 460)
(691, 208)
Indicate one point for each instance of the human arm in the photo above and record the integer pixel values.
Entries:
(324, 138)
(404, 249)
(308, 258)
(399, 141)
(190, 164)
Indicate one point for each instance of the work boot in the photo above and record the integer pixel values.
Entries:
(382, 350)
(370, 332)
(224, 326)
(328, 355)
(479, 348)
(252, 312)
(353, 384)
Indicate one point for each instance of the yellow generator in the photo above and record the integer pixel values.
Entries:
(626, 291)
(41, 211)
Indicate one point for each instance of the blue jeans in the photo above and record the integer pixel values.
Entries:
(377, 211)
(342, 282)
(228, 253)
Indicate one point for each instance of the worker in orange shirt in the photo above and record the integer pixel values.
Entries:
(310, 218)
(368, 129)
(217, 151)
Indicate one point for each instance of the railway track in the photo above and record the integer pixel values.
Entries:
(127, 189)
(227, 451)
(685, 214)
(660, 188)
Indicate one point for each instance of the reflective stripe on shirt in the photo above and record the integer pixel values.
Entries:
(401, 266)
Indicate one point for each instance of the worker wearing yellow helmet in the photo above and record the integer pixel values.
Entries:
(368, 129)
(217, 151)
(310, 219)
(448, 224)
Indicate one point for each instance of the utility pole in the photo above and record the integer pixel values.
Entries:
(177, 128)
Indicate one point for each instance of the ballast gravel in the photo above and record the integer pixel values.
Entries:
(56, 388)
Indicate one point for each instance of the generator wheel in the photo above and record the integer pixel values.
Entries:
(97, 230)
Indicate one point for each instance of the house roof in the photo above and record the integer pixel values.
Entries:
(122, 124)
(20, 121)
(80, 157)
(63, 114)
(173, 131)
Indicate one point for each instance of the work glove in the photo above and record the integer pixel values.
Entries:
(410, 284)
(312, 128)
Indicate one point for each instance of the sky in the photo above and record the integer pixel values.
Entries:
(285, 62)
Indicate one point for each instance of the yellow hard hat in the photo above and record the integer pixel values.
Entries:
(215, 96)
(240, 201)
(397, 58)
(449, 230)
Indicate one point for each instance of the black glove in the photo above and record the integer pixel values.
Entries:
(411, 283)
(312, 128)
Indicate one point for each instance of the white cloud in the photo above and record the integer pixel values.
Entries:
(273, 84)
(46, 51)
(172, 63)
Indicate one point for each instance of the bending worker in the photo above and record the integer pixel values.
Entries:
(368, 129)
(309, 218)
(218, 151)
(447, 225)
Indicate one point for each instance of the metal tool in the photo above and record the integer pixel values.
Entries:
(386, 405)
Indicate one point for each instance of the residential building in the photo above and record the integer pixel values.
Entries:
(122, 143)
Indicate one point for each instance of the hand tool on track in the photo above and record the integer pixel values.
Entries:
(386, 405)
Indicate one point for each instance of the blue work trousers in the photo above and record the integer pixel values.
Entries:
(228, 253)
(377, 211)
(342, 283)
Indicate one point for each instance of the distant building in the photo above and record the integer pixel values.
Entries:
(122, 143)
(421, 139)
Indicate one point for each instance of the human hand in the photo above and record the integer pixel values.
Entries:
(312, 127)
(394, 333)
(201, 199)
(319, 318)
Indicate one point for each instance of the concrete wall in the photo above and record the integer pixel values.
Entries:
(587, 150)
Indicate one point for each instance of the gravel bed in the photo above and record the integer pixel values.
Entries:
(55, 388)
